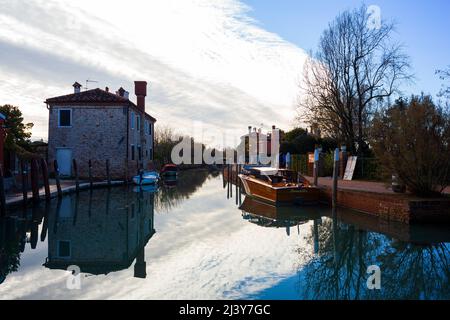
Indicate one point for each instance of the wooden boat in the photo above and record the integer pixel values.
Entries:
(169, 170)
(279, 187)
(146, 178)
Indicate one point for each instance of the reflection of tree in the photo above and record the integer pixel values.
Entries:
(187, 184)
(339, 271)
(10, 250)
(415, 271)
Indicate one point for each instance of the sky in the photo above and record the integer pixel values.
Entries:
(224, 64)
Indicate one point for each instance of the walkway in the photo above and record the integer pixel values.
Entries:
(356, 185)
(67, 186)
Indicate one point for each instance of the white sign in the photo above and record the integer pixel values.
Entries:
(351, 165)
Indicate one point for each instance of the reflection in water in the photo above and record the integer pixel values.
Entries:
(175, 191)
(214, 246)
(100, 232)
(339, 271)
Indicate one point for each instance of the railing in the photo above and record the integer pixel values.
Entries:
(366, 168)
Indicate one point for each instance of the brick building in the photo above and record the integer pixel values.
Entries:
(98, 125)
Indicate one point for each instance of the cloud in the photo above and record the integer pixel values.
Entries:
(206, 60)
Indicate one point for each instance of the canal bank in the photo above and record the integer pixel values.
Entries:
(67, 187)
(377, 199)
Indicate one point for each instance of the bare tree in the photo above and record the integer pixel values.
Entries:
(445, 75)
(356, 68)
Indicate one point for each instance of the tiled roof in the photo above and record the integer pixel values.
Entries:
(95, 96)
(90, 96)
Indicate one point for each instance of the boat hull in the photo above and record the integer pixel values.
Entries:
(279, 196)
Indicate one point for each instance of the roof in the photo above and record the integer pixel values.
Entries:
(94, 96)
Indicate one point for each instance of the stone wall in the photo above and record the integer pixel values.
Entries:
(98, 133)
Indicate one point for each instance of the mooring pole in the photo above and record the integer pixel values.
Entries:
(77, 180)
(91, 183)
(108, 175)
(58, 182)
(335, 177)
(35, 180)
(24, 173)
(2, 194)
(316, 167)
(44, 168)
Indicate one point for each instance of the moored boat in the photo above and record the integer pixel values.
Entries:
(146, 178)
(169, 170)
(279, 187)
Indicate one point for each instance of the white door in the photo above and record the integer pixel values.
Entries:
(64, 158)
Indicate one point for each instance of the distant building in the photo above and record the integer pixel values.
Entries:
(263, 144)
(98, 125)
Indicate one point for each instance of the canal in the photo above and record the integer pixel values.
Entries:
(201, 239)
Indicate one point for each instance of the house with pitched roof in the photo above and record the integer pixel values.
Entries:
(98, 125)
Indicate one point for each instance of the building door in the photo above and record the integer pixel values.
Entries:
(64, 158)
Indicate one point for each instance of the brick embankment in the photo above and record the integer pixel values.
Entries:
(378, 199)
(67, 187)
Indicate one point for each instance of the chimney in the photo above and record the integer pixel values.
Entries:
(121, 92)
(76, 87)
(249, 129)
(140, 89)
(107, 89)
(274, 127)
(126, 95)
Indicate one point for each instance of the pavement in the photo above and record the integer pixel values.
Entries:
(67, 186)
(357, 185)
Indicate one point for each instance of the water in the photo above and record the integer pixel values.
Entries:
(191, 241)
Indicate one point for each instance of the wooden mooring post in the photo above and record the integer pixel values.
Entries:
(2, 195)
(335, 177)
(316, 167)
(91, 182)
(58, 181)
(35, 180)
(108, 175)
(24, 173)
(77, 180)
(44, 169)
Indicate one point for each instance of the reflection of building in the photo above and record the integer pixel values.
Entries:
(102, 234)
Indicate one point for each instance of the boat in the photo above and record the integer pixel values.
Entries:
(169, 170)
(146, 178)
(279, 186)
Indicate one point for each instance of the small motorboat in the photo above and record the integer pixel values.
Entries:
(146, 178)
(169, 170)
(279, 187)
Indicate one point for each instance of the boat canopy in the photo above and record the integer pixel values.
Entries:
(267, 171)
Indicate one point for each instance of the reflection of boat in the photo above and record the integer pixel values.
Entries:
(268, 215)
(169, 170)
(278, 186)
(146, 178)
(146, 188)
(170, 182)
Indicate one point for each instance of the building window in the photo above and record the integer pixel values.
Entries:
(149, 129)
(132, 120)
(140, 153)
(151, 154)
(146, 127)
(133, 156)
(138, 123)
(65, 118)
(64, 249)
